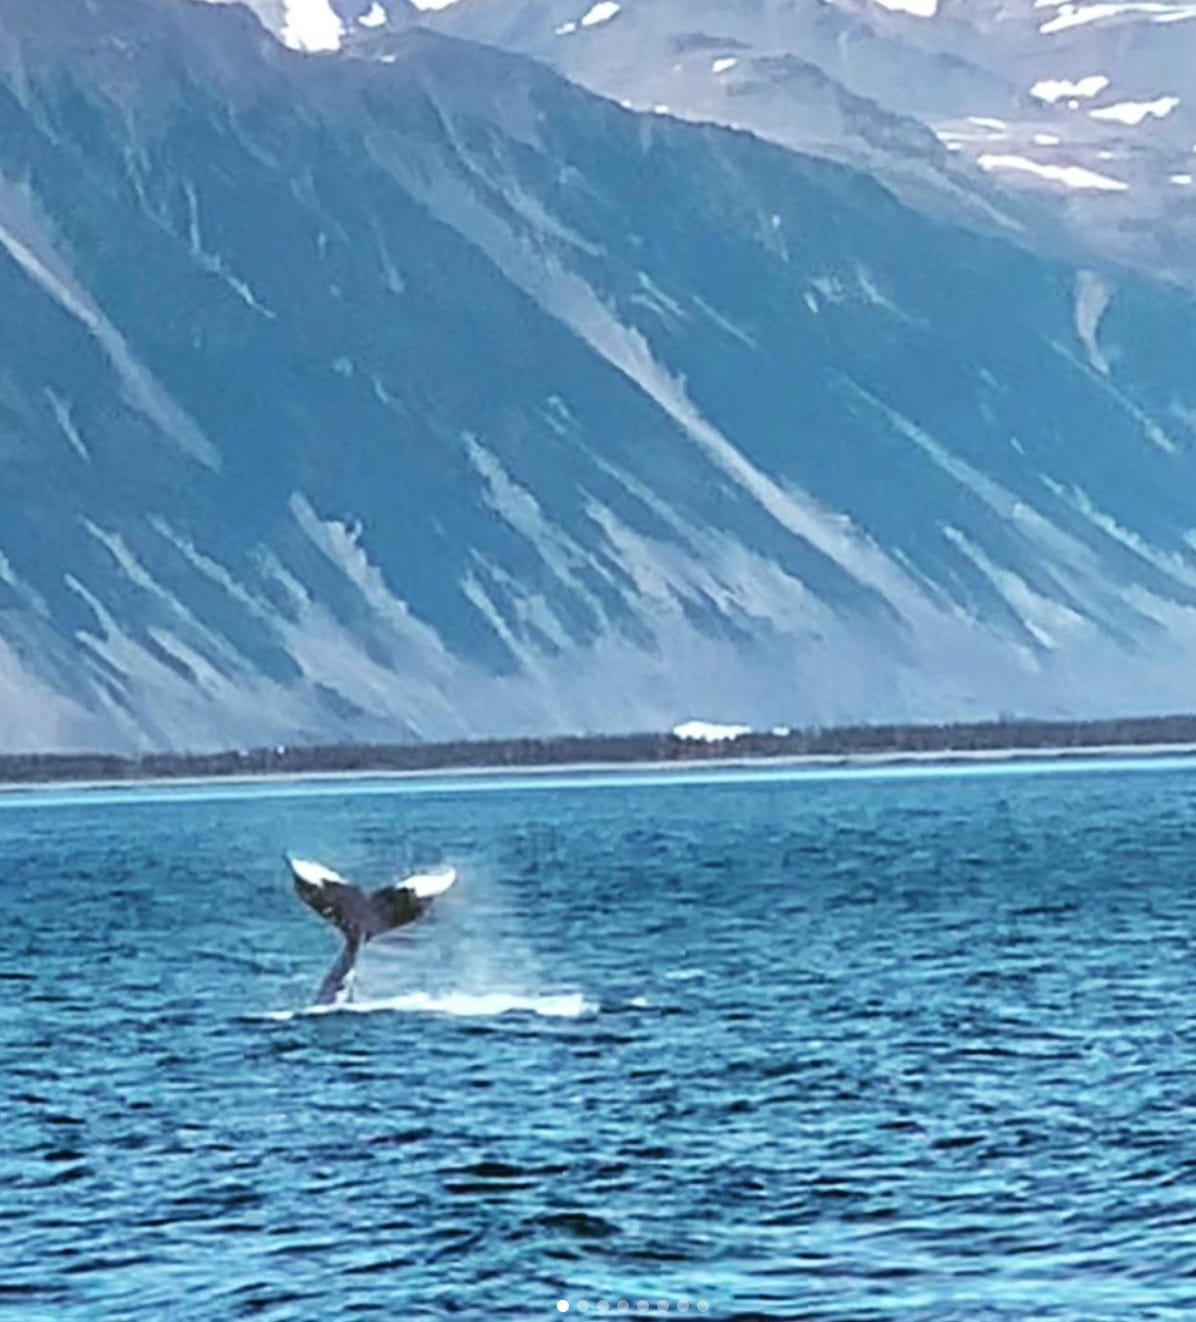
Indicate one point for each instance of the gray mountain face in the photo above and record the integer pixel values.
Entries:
(1088, 109)
(422, 394)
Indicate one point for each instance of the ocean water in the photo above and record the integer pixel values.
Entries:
(906, 1045)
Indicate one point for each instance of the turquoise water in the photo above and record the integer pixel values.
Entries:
(918, 1044)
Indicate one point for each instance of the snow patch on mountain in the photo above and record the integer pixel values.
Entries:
(312, 26)
(1071, 176)
(1059, 89)
(1077, 15)
(1134, 112)
(602, 12)
(918, 8)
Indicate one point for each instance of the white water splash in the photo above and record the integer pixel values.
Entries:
(463, 1005)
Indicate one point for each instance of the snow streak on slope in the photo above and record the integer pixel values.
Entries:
(21, 238)
(566, 297)
(562, 293)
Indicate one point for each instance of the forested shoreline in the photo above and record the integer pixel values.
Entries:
(1011, 736)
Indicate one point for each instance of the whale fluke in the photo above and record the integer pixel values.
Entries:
(361, 916)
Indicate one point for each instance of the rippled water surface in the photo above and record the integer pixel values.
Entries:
(904, 1046)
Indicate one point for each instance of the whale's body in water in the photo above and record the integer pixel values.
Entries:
(360, 915)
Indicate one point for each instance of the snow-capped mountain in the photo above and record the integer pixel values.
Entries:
(1089, 108)
(418, 392)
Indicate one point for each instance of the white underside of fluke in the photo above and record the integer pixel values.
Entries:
(428, 884)
(425, 885)
(315, 874)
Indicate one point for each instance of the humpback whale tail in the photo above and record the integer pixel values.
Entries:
(359, 915)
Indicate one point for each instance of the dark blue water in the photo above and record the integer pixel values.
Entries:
(896, 1047)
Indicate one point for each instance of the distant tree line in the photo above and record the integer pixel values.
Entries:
(842, 741)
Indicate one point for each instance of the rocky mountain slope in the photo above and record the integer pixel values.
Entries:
(420, 393)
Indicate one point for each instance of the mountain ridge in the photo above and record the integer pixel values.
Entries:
(1071, 122)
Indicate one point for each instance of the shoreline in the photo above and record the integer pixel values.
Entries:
(681, 769)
